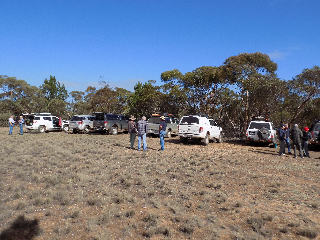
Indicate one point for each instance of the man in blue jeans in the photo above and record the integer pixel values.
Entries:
(21, 122)
(142, 126)
(162, 131)
(11, 124)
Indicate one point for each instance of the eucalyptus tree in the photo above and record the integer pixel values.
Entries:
(145, 100)
(246, 72)
(304, 92)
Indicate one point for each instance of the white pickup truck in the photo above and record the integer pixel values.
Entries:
(197, 127)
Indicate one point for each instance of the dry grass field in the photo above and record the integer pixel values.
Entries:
(75, 186)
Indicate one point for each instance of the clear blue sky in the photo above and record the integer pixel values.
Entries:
(81, 42)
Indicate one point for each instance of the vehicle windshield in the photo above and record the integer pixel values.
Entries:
(189, 120)
(258, 125)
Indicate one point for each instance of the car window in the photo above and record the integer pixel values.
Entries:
(36, 118)
(189, 120)
(317, 128)
(76, 118)
(112, 117)
(155, 120)
(91, 118)
(257, 125)
(47, 118)
(99, 116)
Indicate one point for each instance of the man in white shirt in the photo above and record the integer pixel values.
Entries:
(11, 124)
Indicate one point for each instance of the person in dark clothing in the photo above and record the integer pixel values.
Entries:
(162, 131)
(306, 138)
(287, 139)
(132, 129)
(282, 140)
(296, 137)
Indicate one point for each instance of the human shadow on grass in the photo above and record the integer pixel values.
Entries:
(21, 228)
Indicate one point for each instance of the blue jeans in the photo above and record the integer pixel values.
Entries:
(161, 134)
(10, 130)
(288, 145)
(144, 140)
(21, 129)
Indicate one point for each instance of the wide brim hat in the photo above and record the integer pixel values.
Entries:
(163, 118)
(132, 118)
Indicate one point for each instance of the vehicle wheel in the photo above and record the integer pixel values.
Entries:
(219, 140)
(74, 131)
(65, 128)
(206, 140)
(86, 130)
(114, 130)
(263, 133)
(42, 129)
(169, 134)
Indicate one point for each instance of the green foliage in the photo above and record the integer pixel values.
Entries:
(53, 90)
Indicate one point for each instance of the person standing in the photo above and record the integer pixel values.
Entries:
(287, 139)
(306, 138)
(282, 140)
(296, 137)
(132, 129)
(142, 127)
(11, 124)
(162, 131)
(21, 122)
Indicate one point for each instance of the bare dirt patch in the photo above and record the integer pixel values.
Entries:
(76, 186)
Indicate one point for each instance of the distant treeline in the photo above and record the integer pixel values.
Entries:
(245, 85)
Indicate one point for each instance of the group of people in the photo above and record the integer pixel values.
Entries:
(300, 140)
(12, 122)
(141, 128)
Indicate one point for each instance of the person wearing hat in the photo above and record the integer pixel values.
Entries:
(306, 138)
(142, 127)
(162, 132)
(296, 136)
(282, 139)
(132, 130)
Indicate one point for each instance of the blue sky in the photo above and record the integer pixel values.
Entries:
(82, 42)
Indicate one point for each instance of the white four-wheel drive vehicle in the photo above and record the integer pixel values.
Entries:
(45, 122)
(201, 128)
(81, 123)
(261, 130)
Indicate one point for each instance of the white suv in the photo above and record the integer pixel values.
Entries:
(198, 127)
(81, 123)
(261, 131)
(45, 122)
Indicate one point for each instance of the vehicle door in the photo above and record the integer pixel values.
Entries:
(175, 123)
(214, 129)
(48, 122)
(124, 122)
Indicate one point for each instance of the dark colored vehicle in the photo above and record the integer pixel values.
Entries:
(314, 130)
(110, 123)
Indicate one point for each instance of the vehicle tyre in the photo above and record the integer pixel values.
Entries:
(86, 130)
(206, 140)
(169, 134)
(74, 131)
(114, 130)
(263, 133)
(42, 129)
(65, 128)
(219, 140)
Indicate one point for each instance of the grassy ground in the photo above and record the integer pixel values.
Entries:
(75, 186)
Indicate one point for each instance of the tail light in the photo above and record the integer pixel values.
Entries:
(105, 123)
(80, 122)
(312, 134)
(200, 129)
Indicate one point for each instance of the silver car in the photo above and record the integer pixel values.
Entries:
(81, 123)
